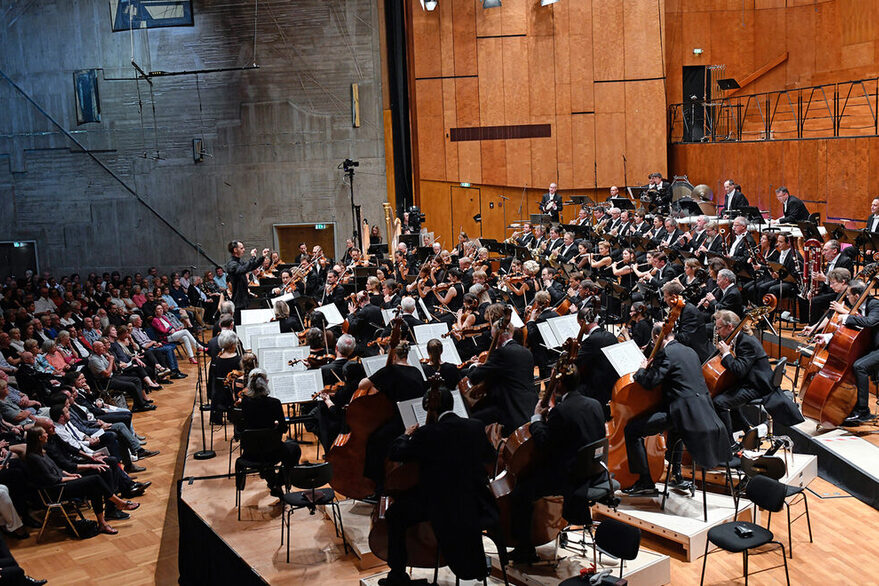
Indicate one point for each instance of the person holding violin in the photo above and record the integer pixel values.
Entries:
(540, 311)
(640, 325)
(690, 325)
(364, 319)
(509, 373)
(522, 290)
(867, 317)
(686, 412)
(435, 365)
(558, 433)
(286, 322)
(340, 378)
(261, 411)
(748, 362)
(597, 376)
(400, 382)
(225, 362)
(452, 491)
(288, 285)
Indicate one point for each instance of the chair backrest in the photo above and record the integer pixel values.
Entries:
(618, 539)
(310, 476)
(591, 460)
(260, 444)
(766, 493)
(778, 372)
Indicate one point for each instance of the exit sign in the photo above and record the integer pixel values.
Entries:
(320, 226)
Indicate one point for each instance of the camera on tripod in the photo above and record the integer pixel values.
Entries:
(348, 164)
(416, 218)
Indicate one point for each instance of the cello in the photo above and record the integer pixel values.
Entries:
(368, 410)
(628, 400)
(830, 393)
(717, 378)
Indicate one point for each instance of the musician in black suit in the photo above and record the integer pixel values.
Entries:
(597, 376)
(815, 305)
(542, 311)
(364, 320)
(867, 317)
(558, 434)
(407, 329)
(686, 412)
(746, 359)
(509, 373)
(659, 191)
(792, 261)
(690, 325)
(236, 274)
(526, 238)
(452, 492)
(672, 234)
(713, 241)
(330, 411)
(664, 271)
(569, 248)
(551, 202)
(734, 199)
(741, 242)
(793, 208)
(729, 296)
(873, 219)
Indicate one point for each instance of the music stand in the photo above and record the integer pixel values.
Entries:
(753, 214)
(361, 274)
(540, 219)
(836, 231)
(810, 231)
(377, 250)
(623, 203)
(581, 200)
(411, 240)
(728, 83)
(690, 207)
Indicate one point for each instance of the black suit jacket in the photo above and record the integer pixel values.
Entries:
(663, 276)
(544, 201)
(452, 455)
(796, 211)
(236, 274)
(510, 375)
(730, 299)
(743, 250)
(749, 363)
(735, 201)
(870, 320)
(597, 376)
(870, 219)
(690, 331)
(365, 323)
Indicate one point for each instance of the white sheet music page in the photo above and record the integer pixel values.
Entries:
(331, 312)
(272, 360)
(426, 332)
(548, 335)
(625, 357)
(564, 327)
(256, 316)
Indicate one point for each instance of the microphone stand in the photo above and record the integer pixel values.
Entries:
(204, 453)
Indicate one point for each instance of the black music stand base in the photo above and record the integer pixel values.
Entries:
(204, 455)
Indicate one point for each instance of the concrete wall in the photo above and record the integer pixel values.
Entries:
(274, 135)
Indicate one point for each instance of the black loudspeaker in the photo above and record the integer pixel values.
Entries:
(695, 96)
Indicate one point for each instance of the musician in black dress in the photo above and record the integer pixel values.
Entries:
(686, 412)
(558, 434)
(748, 362)
(452, 492)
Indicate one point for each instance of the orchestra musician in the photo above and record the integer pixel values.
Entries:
(330, 411)
(713, 241)
(364, 320)
(748, 362)
(793, 209)
(742, 242)
(452, 492)
(734, 198)
(509, 375)
(558, 434)
(435, 365)
(303, 253)
(597, 376)
(582, 218)
(540, 312)
(686, 412)
(816, 305)
(659, 191)
(551, 202)
(236, 274)
(640, 325)
(569, 249)
(873, 218)
(793, 263)
(690, 325)
(728, 295)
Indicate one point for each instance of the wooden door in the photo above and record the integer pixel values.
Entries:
(466, 203)
(289, 237)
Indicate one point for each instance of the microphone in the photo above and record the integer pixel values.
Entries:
(786, 317)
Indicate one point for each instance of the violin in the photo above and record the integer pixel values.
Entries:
(313, 360)
(329, 391)
(467, 332)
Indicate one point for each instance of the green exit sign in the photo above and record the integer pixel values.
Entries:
(320, 226)
(463, 184)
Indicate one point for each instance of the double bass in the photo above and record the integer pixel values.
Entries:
(628, 400)
(717, 378)
(830, 391)
(367, 411)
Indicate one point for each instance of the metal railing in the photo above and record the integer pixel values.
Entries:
(834, 110)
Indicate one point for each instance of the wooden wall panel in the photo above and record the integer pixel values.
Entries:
(447, 38)
(848, 178)
(645, 127)
(489, 22)
(514, 17)
(469, 152)
(608, 37)
(436, 203)
(426, 39)
(431, 129)
(584, 138)
(465, 37)
(494, 162)
(450, 120)
(541, 78)
(492, 211)
(641, 41)
(491, 82)
(465, 205)
(563, 132)
(517, 108)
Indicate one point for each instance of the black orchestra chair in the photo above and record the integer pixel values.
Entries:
(310, 477)
(236, 418)
(259, 448)
(742, 536)
(618, 540)
(591, 463)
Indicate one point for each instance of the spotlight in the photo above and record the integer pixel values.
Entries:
(429, 5)
(491, 3)
(547, 2)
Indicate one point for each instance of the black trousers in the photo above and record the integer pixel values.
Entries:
(92, 488)
(405, 511)
(862, 368)
(729, 410)
(110, 440)
(129, 385)
(10, 572)
(645, 426)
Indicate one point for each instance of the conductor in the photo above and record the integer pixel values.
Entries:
(236, 273)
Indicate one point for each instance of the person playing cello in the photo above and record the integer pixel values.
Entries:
(687, 413)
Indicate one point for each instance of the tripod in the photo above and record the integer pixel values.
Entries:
(204, 453)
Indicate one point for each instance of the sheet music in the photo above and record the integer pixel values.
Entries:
(387, 315)
(450, 352)
(516, 320)
(297, 387)
(284, 297)
(256, 316)
(426, 332)
(331, 312)
(427, 315)
(564, 327)
(412, 412)
(548, 335)
(625, 357)
(284, 340)
(247, 334)
(272, 360)
(372, 364)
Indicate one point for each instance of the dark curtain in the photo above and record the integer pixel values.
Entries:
(398, 81)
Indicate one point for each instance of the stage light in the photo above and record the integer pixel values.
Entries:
(491, 3)
(547, 2)
(429, 5)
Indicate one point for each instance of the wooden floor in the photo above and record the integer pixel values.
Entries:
(845, 551)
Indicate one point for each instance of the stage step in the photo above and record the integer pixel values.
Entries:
(356, 519)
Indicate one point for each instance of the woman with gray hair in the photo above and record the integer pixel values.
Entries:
(286, 322)
(262, 411)
(225, 362)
